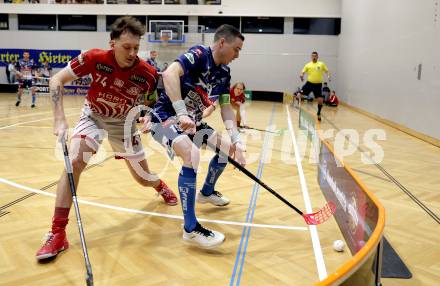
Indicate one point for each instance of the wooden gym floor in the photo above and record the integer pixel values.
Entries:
(133, 238)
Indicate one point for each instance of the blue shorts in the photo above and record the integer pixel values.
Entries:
(25, 83)
(167, 134)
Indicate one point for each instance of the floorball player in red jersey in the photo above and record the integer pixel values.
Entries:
(120, 81)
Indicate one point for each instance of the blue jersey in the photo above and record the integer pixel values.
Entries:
(26, 68)
(201, 85)
(153, 63)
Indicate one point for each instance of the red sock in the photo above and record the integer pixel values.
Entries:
(160, 186)
(60, 219)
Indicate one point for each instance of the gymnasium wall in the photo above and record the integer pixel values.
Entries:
(381, 45)
(267, 62)
(274, 62)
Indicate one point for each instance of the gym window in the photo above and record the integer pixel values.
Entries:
(212, 23)
(262, 25)
(194, 2)
(110, 19)
(317, 26)
(77, 23)
(37, 22)
(4, 22)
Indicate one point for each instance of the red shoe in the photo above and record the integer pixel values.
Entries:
(55, 243)
(167, 194)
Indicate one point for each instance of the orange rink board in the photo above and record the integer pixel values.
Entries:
(135, 239)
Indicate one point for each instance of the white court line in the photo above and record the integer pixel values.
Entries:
(322, 271)
(116, 208)
(23, 115)
(33, 126)
(32, 121)
(29, 114)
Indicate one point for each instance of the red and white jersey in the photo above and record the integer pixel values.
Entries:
(237, 98)
(113, 91)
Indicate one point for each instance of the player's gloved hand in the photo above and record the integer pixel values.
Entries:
(146, 123)
(187, 124)
(301, 77)
(237, 151)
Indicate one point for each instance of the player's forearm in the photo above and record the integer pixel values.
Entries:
(229, 119)
(243, 114)
(171, 81)
(56, 88)
(208, 111)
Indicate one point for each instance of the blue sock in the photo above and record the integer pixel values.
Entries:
(216, 167)
(33, 98)
(187, 191)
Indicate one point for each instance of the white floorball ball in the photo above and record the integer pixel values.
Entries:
(338, 245)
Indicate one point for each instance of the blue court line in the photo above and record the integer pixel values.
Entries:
(241, 252)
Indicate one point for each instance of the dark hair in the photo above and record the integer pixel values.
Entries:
(127, 24)
(315, 52)
(228, 32)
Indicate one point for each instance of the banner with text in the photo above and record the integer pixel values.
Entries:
(55, 58)
(68, 89)
(356, 214)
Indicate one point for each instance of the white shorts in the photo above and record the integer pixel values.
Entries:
(94, 128)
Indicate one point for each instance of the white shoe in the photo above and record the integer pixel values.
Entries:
(216, 198)
(203, 237)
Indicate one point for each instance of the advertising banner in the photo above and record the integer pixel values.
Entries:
(355, 214)
(55, 58)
